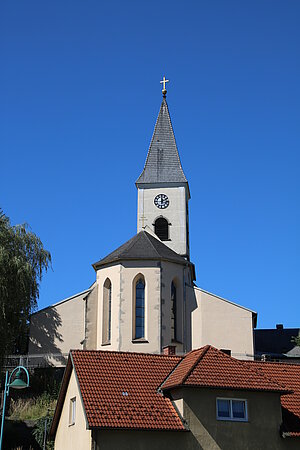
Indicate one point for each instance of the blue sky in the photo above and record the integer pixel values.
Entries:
(80, 93)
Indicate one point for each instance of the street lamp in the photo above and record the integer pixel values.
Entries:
(18, 383)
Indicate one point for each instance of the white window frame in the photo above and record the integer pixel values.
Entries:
(231, 418)
(72, 411)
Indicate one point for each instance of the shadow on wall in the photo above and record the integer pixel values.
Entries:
(191, 305)
(45, 339)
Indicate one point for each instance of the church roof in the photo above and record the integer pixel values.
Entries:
(142, 246)
(163, 163)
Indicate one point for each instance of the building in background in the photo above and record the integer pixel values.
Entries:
(277, 344)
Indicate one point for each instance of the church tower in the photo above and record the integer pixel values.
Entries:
(163, 190)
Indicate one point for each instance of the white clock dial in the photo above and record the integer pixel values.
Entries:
(161, 201)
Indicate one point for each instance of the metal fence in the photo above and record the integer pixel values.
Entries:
(36, 361)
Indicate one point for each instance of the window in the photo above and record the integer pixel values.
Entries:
(140, 309)
(232, 409)
(106, 323)
(72, 412)
(173, 311)
(161, 229)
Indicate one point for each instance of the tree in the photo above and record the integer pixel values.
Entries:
(22, 262)
(296, 340)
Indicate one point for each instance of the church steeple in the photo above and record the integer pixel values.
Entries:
(163, 190)
(163, 163)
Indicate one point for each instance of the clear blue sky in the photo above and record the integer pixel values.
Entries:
(80, 93)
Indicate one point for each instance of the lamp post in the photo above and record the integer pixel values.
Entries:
(18, 383)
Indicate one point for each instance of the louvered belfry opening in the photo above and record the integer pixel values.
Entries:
(161, 229)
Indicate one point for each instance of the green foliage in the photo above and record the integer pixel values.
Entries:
(22, 262)
(31, 408)
(39, 432)
(296, 340)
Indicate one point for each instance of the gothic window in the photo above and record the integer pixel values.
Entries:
(106, 326)
(161, 228)
(173, 311)
(140, 309)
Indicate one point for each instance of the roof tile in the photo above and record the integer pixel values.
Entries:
(289, 376)
(119, 390)
(209, 367)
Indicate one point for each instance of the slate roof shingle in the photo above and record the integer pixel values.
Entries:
(163, 163)
(142, 246)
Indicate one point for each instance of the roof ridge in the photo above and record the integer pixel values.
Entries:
(170, 120)
(203, 352)
(148, 237)
(244, 363)
(153, 171)
(279, 363)
(122, 352)
(133, 241)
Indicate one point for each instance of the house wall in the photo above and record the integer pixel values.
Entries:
(57, 329)
(75, 436)
(144, 440)
(220, 323)
(175, 213)
(261, 431)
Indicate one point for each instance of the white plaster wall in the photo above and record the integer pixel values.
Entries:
(122, 277)
(77, 436)
(175, 213)
(222, 324)
(170, 272)
(57, 329)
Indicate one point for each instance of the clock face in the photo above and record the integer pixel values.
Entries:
(161, 201)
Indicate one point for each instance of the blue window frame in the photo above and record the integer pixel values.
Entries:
(140, 309)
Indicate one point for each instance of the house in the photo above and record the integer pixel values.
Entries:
(277, 343)
(145, 295)
(203, 400)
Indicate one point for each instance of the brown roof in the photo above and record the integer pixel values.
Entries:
(209, 367)
(120, 390)
(123, 390)
(289, 376)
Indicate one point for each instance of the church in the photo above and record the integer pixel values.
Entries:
(145, 297)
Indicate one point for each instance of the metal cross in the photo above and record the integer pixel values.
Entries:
(163, 82)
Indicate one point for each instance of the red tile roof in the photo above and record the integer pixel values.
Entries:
(209, 367)
(289, 376)
(122, 390)
(119, 390)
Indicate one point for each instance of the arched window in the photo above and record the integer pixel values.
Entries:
(161, 228)
(106, 323)
(173, 311)
(139, 308)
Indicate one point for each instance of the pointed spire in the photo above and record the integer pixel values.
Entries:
(163, 163)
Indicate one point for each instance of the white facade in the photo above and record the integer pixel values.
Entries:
(176, 214)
